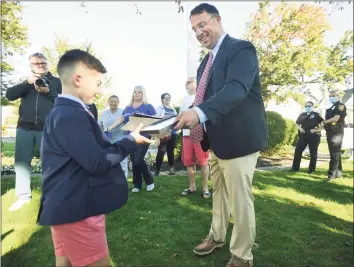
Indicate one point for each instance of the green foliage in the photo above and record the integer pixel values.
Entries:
(299, 98)
(289, 39)
(178, 149)
(202, 53)
(13, 40)
(62, 45)
(282, 132)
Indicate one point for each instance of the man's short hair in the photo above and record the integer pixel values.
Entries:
(204, 7)
(309, 102)
(39, 55)
(76, 56)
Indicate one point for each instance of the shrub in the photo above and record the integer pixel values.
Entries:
(178, 149)
(282, 132)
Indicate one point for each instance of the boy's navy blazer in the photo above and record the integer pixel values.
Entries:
(82, 176)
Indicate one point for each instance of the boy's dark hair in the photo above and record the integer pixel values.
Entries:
(204, 7)
(75, 56)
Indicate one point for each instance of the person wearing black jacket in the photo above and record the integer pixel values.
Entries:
(308, 124)
(37, 95)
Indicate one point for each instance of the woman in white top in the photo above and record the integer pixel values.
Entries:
(108, 117)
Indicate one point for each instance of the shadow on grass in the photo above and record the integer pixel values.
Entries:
(6, 234)
(290, 234)
(304, 183)
(160, 228)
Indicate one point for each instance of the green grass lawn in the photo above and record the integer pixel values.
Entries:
(8, 149)
(323, 147)
(301, 221)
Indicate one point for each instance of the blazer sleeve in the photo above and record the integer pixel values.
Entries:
(242, 67)
(75, 135)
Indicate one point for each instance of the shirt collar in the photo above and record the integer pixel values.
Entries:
(73, 98)
(218, 44)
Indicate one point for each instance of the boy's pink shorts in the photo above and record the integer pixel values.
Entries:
(83, 242)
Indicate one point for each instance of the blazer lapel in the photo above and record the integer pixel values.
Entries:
(222, 46)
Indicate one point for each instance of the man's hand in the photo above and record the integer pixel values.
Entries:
(302, 130)
(31, 80)
(42, 90)
(313, 131)
(187, 119)
(139, 139)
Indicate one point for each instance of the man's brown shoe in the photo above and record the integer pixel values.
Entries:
(237, 262)
(208, 246)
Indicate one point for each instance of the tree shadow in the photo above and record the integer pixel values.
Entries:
(290, 234)
(7, 183)
(160, 228)
(6, 234)
(315, 187)
(38, 251)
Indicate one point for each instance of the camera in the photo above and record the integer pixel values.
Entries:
(42, 82)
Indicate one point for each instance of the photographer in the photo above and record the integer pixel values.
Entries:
(37, 95)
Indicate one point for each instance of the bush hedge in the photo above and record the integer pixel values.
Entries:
(282, 132)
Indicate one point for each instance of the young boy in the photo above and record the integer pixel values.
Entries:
(82, 176)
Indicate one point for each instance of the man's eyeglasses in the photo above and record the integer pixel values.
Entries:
(308, 106)
(39, 64)
(202, 24)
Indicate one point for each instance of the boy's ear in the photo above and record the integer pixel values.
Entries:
(76, 80)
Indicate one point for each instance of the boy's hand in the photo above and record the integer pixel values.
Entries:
(139, 139)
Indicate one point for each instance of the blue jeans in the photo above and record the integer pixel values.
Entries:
(24, 151)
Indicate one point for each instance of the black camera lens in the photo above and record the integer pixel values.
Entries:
(41, 83)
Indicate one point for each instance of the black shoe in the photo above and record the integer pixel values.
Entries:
(311, 172)
(157, 173)
(293, 170)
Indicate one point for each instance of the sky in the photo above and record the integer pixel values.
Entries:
(149, 50)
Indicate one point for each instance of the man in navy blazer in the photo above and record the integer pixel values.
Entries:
(230, 107)
(82, 175)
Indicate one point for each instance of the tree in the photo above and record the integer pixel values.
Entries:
(137, 10)
(289, 39)
(61, 45)
(13, 40)
(336, 5)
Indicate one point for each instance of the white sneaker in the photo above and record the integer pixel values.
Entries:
(135, 190)
(18, 204)
(150, 187)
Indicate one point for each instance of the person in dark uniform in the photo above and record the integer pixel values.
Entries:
(309, 133)
(334, 126)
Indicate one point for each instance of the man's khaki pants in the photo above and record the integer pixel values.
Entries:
(232, 194)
